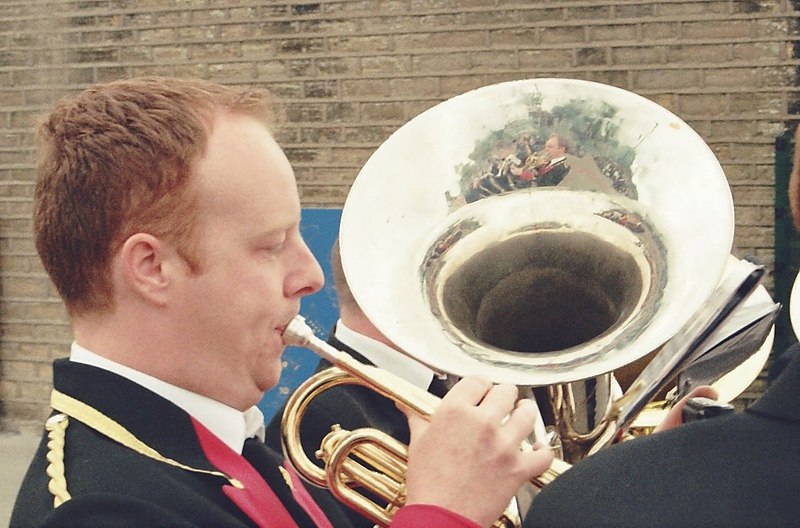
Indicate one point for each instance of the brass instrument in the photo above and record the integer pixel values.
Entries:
(386, 457)
(536, 160)
(547, 288)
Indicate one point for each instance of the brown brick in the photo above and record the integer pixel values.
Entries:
(367, 134)
(337, 66)
(651, 30)
(331, 26)
(523, 37)
(612, 32)
(564, 34)
(415, 86)
(23, 285)
(284, 90)
(388, 65)
(637, 10)
(349, 156)
(730, 77)
(355, 43)
(754, 236)
(752, 195)
(34, 311)
(157, 35)
(640, 54)
(589, 13)
(441, 40)
(305, 112)
(756, 102)
(391, 111)
(441, 62)
(365, 87)
(231, 72)
(702, 104)
(34, 391)
(756, 215)
(665, 78)
(716, 29)
(26, 412)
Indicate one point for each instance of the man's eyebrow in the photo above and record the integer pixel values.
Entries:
(268, 233)
(274, 230)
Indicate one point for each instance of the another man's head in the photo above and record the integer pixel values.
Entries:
(166, 213)
(350, 312)
(556, 146)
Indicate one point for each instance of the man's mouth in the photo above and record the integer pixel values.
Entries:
(282, 328)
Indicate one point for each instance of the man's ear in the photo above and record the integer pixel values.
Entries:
(147, 267)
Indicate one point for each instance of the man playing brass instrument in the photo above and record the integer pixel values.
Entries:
(167, 217)
(524, 169)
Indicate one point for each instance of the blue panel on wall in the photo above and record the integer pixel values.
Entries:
(319, 228)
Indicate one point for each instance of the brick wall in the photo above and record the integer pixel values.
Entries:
(351, 72)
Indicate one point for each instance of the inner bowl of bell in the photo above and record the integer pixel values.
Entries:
(524, 275)
(543, 291)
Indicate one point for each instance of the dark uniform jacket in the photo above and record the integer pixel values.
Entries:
(738, 470)
(114, 486)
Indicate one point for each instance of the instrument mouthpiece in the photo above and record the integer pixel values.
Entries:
(297, 332)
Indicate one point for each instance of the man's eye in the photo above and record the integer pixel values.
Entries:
(274, 248)
(274, 245)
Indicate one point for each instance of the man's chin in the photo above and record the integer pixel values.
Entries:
(269, 378)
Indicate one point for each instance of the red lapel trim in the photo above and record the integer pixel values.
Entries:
(304, 499)
(256, 499)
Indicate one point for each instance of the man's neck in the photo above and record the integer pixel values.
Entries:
(229, 424)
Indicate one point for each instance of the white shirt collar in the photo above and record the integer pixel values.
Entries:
(385, 357)
(228, 424)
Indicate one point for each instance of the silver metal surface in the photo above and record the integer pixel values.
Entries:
(794, 306)
(644, 206)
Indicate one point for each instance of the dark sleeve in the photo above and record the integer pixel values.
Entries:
(730, 471)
